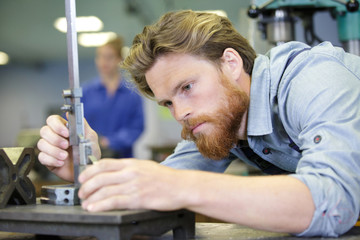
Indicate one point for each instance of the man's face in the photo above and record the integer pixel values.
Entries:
(107, 61)
(203, 101)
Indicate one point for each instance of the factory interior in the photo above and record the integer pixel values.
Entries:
(34, 60)
(36, 72)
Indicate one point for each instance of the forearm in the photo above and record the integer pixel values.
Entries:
(275, 203)
(187, 156)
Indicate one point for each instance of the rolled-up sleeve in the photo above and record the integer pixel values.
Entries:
(323, 104)
(334, 184)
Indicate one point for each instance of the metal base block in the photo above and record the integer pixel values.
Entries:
(113, 225)
(60, 195)
(15, 187)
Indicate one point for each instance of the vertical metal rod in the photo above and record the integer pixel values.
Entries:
(70, 10)
(75, 117)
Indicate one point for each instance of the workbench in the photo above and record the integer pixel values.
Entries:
(213, 231)
(58, 220)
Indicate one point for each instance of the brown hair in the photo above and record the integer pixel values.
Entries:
(197, 33)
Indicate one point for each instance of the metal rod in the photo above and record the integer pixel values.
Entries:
(75, 116)
(70, 10)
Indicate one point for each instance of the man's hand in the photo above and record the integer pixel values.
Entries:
(55, 149)
(131, 184)
(274, 203)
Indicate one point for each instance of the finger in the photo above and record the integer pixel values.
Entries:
(102, 180)
(50, 150)
(114, 202)
(107, 192)
(105, 165)
(89, 132)
(49, 161)
(87, 126)
(53, 138)
(58, 125)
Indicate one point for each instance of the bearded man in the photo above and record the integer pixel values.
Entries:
(294, 113)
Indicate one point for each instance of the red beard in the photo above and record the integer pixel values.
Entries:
(225, 122)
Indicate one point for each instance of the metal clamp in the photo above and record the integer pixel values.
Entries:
(15, 187)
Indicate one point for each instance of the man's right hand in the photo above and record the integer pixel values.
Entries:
(55, 151)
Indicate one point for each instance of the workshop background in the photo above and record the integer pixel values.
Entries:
(33, 80)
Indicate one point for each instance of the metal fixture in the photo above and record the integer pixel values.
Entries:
(15, 186)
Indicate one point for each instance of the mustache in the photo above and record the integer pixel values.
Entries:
(191, 123)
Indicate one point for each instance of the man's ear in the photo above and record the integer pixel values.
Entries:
(232, 64)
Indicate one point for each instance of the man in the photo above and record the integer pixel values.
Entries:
(112, 108)
(295, 110)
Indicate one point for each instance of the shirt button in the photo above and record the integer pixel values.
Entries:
(317, 139)
(266, 151)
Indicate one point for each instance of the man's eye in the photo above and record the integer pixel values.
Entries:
(188, 87)
(167, 103)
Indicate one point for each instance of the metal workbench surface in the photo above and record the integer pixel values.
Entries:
(215, 231)
(59, 220)
(43, 222)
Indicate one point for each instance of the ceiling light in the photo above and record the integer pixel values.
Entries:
(4, 58)
(83, 24)
(95, 39)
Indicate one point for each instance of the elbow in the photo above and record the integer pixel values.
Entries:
(336, 206)
(332, 222)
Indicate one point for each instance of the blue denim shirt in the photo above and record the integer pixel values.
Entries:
(315, 102)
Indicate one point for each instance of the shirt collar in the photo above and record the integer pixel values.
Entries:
(259, 119)
(265, 78)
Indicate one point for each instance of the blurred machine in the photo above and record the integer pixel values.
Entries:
(277, 18)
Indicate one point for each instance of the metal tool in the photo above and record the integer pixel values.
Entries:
(60, 195)
(80, 146)
(15, 186)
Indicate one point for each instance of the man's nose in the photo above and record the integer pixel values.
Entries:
(181, 111)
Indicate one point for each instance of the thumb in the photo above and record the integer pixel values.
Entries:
(91, 135)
